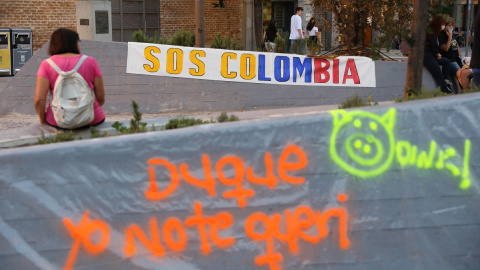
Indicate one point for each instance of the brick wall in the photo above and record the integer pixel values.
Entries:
(178, 14)
(42, 16)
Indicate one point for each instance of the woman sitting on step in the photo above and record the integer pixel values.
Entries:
(64, 49)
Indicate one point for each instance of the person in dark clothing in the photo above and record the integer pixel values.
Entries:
(449, 47)
(475, 61)
(458, 33)
(463, 34)
(270, 34)
(470, 36)
(432, 59)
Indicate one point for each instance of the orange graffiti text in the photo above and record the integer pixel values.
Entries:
(291, 160)
(295, 225)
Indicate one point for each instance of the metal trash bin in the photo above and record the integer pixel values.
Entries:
(21, 47)
(5, 52)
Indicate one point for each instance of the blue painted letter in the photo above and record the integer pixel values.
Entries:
(261, 69)
(278, 68)
(307, 66)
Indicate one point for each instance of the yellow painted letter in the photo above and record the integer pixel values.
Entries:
(148, 52)
(247, 71)
(201, 66)
(225, 58)
(174, 64)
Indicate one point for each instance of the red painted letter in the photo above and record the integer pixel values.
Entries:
(353, 70)
(319, 70)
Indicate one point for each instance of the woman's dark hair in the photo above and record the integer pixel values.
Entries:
(436, 24)
(272, 25)
(64, 40)
(311, 24)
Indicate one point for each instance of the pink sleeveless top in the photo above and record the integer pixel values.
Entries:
(89, 71)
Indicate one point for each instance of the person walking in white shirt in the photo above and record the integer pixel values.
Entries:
(313, 33)
(296, 33)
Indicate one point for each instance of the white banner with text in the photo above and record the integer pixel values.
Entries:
(249, 67)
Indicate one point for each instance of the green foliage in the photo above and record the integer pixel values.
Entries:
(375, 49)
(226, 42)
(136, 126)
(185, 122)
(188, 122)
(415, 94)
(370, 99)
(391, 19)
(59, 137)
(281, 45)
(314, 48)
(95, 133)
(223, 117)
(357, 101)
(441, 7)
(427, 94)
(300, 47)
(140, 36)
(119, 127)
(183, 38)
(68, 136)
(473, 88)
(180, 38)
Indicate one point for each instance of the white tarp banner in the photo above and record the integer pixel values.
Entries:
(249, 67)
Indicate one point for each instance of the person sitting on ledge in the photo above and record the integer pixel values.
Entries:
(465, 74)
(64, 49)
(449, 48)
(432, 59)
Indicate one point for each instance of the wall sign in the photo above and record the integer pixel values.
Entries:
(84, 21)
(249, 67)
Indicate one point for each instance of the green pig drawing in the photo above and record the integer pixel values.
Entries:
(363, 143)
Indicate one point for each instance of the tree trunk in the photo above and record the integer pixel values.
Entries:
(356, 29)
(350, 31)
(360, 30)
(258, 22)
(199, 24)
(415, 56)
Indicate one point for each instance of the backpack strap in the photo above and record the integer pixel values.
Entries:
(54, 66)
(79, 63)
(77, 66)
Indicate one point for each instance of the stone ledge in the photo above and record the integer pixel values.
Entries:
(30, 135)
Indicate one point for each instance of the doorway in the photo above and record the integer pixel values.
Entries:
(281, 11)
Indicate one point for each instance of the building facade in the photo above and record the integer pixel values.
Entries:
(116, 20)
(42, 16)
(462, 10)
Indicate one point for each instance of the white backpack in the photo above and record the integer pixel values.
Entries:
(73, 99)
